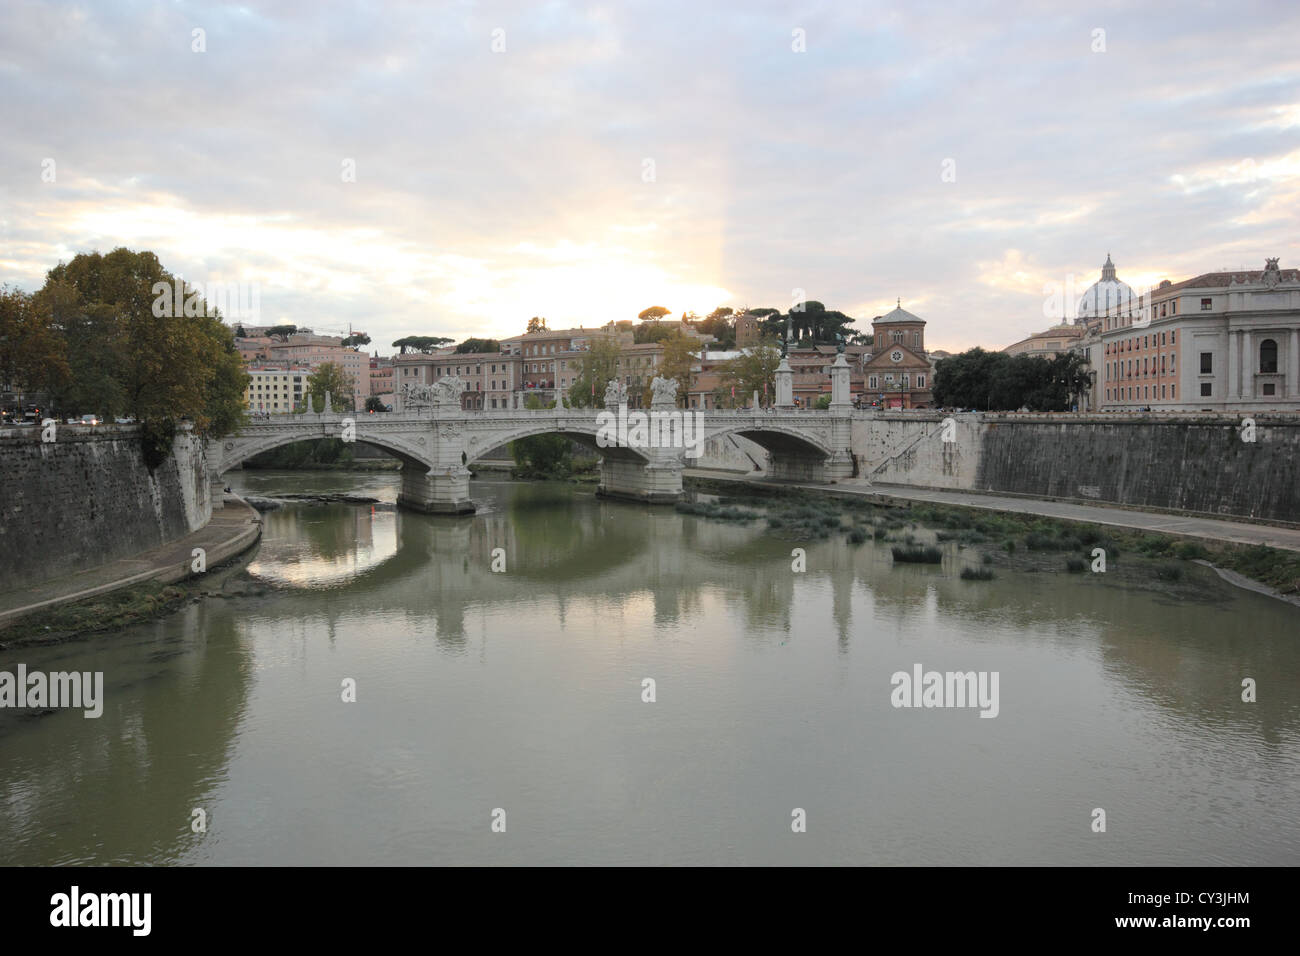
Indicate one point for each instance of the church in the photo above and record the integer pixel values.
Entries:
(897, 371)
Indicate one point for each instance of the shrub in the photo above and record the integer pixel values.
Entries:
(857, 536)
(976, 574)
(1169, 572)
(1075, 565)
(910, 554)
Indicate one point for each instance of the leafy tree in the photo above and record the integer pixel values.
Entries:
(330, 377)
(654, 331)
(599, 365)
(373, 404)
(542, 456)
(753, 370)
(720, 324)
(33, 356)
(478, 345)
(356, 339)
(421, 343)
(654, 313)
(823, 402)
(536, 324)
(239, 332)
(1001, 382)
(681, 352)
(282, 332)
(129, 353)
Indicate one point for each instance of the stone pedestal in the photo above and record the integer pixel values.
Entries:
(444, 493)
(784, 384)
(657, 482)
(841, 399)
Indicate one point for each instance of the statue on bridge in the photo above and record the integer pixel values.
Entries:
(615, 394)
(664, 391)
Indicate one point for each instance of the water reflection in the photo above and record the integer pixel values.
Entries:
(477, 687)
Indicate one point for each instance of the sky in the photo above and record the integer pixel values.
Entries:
(452, 169)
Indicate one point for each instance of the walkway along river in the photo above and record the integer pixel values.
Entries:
(524, 690)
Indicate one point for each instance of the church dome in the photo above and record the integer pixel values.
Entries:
(1109, 295)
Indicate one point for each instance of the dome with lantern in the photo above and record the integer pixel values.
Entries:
(1107, 296)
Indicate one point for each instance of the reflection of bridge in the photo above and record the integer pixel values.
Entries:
(436, 444)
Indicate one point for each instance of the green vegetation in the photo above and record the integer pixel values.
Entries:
(998, 381)
(914, 554)
(421, 343)
(108, 612)
(977, 574)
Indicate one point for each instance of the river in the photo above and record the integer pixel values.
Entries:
(516, 697)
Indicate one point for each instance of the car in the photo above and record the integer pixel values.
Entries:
(74, 421)
(124, 421)
(91, 420)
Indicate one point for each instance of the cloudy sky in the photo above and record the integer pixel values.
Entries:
(583, 161)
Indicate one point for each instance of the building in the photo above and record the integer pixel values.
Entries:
(1109, 295)
(488, 379)
(749, 330)
(305, 348)
(1051, 343)
(381, 378)
(276, 389)
(1222, 341)
(898, 372)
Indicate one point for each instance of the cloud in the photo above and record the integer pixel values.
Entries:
(491, 187)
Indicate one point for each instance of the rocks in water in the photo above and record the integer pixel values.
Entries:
(270, 504)
(263, 504)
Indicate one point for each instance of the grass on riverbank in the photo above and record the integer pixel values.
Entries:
(1030, 542)
(107, 612)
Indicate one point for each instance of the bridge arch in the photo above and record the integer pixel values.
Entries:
(581, 431)
(234, 450)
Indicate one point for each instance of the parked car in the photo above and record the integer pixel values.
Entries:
(91, 420)
(124, 421)
(74, 421)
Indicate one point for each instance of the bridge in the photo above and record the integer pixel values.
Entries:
(437, 442)
(437, 445)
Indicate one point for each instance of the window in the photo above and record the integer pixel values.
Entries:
(920, 381)
(1173, 391)
(1207, 365)
(1163, 307)
(1268, 357)
(1173, 337)
(873, 382)
(1173, 310)
(1162, 391)
(1206, 305)
(916, 339)
(1145, 341)
(1205, 389)
(1269, 388)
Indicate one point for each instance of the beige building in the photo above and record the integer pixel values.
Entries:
(1222, 341)
(275, 389)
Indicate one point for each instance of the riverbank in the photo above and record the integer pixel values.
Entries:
(232, 531)
(1025, 535)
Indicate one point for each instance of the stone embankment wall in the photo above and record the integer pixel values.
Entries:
(87, 498)
(1195, 463)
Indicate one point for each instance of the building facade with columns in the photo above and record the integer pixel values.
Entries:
(1222, 341)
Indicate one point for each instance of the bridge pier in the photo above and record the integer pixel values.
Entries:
(656, 482)
(444, 493)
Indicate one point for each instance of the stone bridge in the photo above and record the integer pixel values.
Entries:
(436, 445)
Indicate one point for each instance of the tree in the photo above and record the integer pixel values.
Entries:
(355, 339)
(721, 325)
(478, 345)
(373, 404)
(329, 377)
(654, 331)
(681, 352)
(33, 356)
(754, 370)
(129, 353)
(536, 324)
(421, 343)
(541, 456)
(282, 332)
(998, 381)
(599, 366)
(652, 314)
(823, 402)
